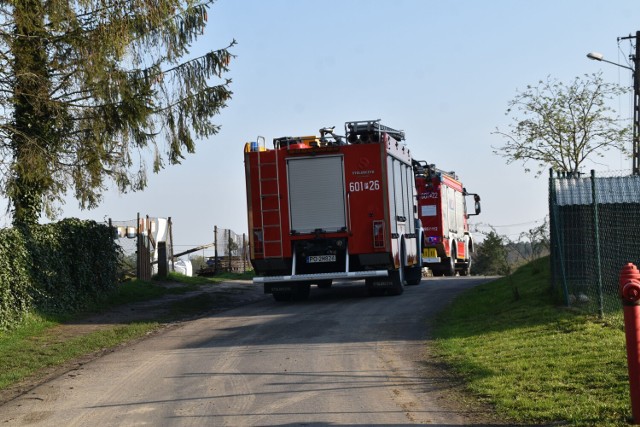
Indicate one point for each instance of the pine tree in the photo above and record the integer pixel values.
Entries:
(491, 256)
(90, 88)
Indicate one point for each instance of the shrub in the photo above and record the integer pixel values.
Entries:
(55, 268)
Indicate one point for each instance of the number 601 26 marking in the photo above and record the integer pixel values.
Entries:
(372, 185)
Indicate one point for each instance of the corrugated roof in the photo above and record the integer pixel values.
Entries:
(577, 191)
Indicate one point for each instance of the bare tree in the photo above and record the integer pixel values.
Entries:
(533, 243)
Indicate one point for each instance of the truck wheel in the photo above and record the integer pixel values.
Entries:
(413, 276)
(450, 268)
(302, 292)
(397, 277)
(371, 289)
(466, 271)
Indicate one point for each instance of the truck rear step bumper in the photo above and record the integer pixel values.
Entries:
(321, 276)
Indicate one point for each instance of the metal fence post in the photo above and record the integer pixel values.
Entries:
(215, 247)
(596, 241)
(229, 248)
(162, 260)
(556, 239)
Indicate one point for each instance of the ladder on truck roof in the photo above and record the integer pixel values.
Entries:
(370, 131)
(270, 214)
(422, 168)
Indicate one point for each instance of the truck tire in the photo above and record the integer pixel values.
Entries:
(413, 275)
(466, 271)
(450, 267)
(302, 292)
(372, 290)
(397, 277)
(299, 293)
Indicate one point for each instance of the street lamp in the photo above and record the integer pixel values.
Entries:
(636, 94)
(597, 56)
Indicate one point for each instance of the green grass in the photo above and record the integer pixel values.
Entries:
(37, 343)
(32, 347)
(532, 359)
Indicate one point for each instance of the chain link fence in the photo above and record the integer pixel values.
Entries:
(231, 254)
(593, 223)
(138, 238)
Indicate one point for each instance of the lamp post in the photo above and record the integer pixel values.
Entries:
(636, 95)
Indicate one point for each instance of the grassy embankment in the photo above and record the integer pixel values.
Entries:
(38, 343)
(533, 360)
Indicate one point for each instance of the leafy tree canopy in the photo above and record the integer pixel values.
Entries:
(90, 88)
(560, 126)
(491, 256)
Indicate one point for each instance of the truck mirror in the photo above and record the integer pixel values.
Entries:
(476, 198)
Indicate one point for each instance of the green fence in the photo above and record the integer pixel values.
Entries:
(594, 225)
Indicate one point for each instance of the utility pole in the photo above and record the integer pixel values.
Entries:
(636, 105)
(636, 102)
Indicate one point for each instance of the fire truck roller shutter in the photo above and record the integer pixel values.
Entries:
(316, 194)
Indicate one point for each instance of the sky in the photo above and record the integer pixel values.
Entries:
(442, 71)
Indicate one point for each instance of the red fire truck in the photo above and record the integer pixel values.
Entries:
(447, 243)
(333, 207)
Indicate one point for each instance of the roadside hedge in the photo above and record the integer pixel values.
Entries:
(15, 284)
(55, 268)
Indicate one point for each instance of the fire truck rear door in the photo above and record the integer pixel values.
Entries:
(316, 193)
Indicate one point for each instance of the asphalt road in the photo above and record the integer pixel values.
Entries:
(340, 358)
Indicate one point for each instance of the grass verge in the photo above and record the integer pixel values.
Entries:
(535, 361)
(33, 347)
(40, 342)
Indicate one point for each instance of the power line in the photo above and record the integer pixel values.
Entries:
(509, 225)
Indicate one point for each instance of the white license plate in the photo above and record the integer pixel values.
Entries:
(321, 258)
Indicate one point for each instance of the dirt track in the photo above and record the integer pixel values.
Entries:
(341, 358)
(226, 295)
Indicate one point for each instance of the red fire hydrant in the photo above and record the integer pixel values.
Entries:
(629, 291)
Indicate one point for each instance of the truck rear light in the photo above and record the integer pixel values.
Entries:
(258, 241)
(433, 239)
(378, 234)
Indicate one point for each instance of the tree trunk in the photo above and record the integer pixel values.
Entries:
(31, 175)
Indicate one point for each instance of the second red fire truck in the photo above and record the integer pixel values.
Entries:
(447, 243)
(332, 207)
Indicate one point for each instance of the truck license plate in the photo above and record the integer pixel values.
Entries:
(429, 253)
(321, 258)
